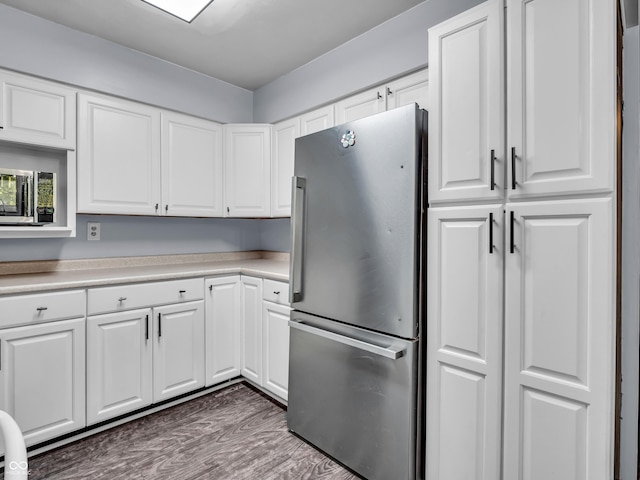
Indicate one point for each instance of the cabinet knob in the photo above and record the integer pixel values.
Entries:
(227, 209)
(166, 208)
(211, 288)
(41, 309)
(276, 293)
(389, 92)
(157, 207)
(379, 96)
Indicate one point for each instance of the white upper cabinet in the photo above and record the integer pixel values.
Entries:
(561, 97)
(247, 170)
(192, 181)
(139, 160)
(118, 156)
(317, 120)
(413, 88)
(37, 112)
(282, 160)
(361, 105)
(466, 106)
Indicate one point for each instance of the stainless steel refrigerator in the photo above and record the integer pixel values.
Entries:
(357, 288)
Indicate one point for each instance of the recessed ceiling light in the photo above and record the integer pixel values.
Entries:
(185, 10)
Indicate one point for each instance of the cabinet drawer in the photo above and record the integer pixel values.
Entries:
(276, 292)
(41, 307)
(127, 297)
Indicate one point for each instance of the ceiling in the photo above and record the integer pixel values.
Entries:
(244, 42)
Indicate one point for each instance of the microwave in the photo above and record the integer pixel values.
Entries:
(27, 197)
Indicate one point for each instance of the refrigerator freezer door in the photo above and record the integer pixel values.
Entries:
(351, 398)
(356, 220)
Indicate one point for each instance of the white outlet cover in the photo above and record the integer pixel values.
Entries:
(93, 231)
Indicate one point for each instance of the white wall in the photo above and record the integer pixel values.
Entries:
(125, 236)
(630, 254)
(395, 47)
(43, 48)
(39, 47)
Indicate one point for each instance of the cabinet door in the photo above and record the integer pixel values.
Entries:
(37, 112)
(560, 341)
(191, 166)
(562, 97)
(361, 105)
(319, 119)
(284, 142)
(251, 363)
(275, 348)
(412, 88)
(247, 170)
(464, 343)
(118, 157)
(43, 378)
(222, 328)
(178, 351)
(466, 105)
(119, 374)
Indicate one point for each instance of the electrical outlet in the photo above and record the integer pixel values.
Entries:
(93, 231)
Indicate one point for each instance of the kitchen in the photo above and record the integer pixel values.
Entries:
(54, 52)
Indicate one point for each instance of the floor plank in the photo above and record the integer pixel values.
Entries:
(233, 434)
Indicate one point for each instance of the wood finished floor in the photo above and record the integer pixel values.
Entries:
(235, 433)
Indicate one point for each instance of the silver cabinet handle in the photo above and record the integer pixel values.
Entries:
(297, 237)
(389, 352)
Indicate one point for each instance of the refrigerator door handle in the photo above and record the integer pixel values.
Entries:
(389, 352)
(297, 231)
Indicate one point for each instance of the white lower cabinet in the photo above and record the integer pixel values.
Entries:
(145, 354)
(464, 342)
(275, 348)
(42, 377)
(140, 344)
(550, 395)
(178, 350)
(119, 364)
(222, 328)
(265, 334)
(559, 340)
(251, 332)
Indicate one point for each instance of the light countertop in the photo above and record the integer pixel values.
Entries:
(33, 277)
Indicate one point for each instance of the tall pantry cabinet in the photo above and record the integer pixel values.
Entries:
(521, 259)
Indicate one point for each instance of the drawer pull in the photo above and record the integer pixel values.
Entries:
(182, 292)
(122, 299)
(41, 309)
(276, 293)
(159, 325)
